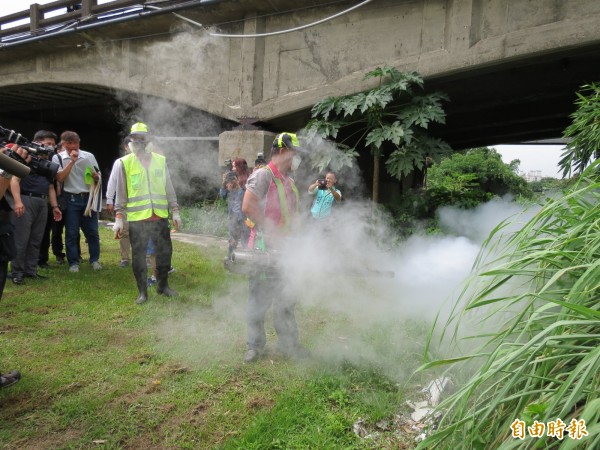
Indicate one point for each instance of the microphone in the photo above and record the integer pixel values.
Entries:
(13, 167)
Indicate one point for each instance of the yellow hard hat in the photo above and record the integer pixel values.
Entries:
(139, 128)
(288, 140)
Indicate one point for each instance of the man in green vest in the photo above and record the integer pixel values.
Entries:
(145, 192)
(272, 203)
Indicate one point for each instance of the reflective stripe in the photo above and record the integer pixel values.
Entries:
(138, 198)
(147, 197)
(155, 207)
(283, 205)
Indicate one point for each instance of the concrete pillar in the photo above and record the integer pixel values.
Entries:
(253, 61)
(245, 144)
(86, 7)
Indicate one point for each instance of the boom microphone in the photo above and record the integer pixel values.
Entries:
(13, 167)
(36, 164)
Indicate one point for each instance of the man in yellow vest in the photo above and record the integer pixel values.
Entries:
(272, 203)
(145, 192)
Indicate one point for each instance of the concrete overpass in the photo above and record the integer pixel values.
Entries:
(511, 67)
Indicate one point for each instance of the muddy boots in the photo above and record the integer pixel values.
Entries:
(162, 286)
(142, 286)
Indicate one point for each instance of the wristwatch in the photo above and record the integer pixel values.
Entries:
(5, 174)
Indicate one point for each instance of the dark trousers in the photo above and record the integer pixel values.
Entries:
(57, 237)
(45, 244)
(264, 292)
(3, 275)
(7, 247)
(140, 232)
(28, 233)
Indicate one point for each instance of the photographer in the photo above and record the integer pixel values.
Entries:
(30, 213)
(326, 195)
(234, 195)
(7, 250)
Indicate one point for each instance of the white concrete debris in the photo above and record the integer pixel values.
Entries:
(436, 388)
(423, 413)
(421, 410)
(422, 417)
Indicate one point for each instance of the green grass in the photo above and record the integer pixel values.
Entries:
(207, 217)
(100, 371)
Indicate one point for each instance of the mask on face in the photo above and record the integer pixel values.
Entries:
(296, 162)
(138, 147)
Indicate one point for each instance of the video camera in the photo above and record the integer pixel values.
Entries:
(230, 176)
(12, 163)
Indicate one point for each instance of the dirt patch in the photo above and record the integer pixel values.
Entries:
(55, 440)
(259, 403)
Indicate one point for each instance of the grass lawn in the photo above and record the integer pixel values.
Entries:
(100, 371)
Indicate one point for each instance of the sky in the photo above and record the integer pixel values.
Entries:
(13, 6)
(532, 157)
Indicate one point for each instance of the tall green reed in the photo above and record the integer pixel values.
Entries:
(538, 290)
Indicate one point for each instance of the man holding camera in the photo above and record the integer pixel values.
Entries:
(234, 195)
(326, 195)
(30, 213)
(81, 180)
(7, 250)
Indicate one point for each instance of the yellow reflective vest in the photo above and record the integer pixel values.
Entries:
(146, 188)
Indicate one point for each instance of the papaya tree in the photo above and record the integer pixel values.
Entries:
(390, 120)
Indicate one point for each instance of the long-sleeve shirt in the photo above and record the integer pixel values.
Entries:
(111, 186)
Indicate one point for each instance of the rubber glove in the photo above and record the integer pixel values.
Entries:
(176, 220)
(118, 227)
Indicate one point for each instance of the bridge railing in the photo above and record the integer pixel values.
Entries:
(75, 10)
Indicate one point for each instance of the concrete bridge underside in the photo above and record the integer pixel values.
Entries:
(510, 67)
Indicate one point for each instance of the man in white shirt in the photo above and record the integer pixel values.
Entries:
(78, 172)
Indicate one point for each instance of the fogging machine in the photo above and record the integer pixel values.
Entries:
(254, 262)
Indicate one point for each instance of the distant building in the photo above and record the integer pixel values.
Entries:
(533, 175)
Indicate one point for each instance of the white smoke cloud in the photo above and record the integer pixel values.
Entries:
(364, 299)
(181, 132)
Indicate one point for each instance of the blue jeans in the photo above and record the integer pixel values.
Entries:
(74, 220)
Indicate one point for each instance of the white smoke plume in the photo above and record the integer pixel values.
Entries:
(187, 136)
(364, 301)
